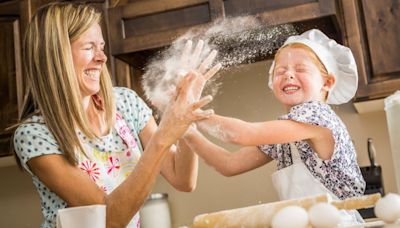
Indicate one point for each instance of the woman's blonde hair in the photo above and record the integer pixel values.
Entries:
(52, 89)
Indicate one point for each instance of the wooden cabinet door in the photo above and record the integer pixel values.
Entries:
(144, 25)
(11, 92)
(373, 33)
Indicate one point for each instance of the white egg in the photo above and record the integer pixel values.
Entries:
(324, 215)
(388, 208)
(290, 217)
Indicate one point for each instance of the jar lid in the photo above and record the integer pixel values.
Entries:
(155, 196)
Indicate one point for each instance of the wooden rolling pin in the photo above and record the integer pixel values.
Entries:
(357, 202)
(261, 215)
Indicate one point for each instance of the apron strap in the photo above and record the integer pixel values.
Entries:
(124, 132)
(295, 153)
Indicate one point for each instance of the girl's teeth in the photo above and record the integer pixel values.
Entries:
(291, 88)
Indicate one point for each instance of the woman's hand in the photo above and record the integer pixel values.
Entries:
(183, 110)
(191, 61)
(185, 106)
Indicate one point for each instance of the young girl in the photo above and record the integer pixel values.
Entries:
(311, 144)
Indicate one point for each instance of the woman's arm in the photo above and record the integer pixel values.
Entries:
(180, 165)
(244, 133)
(225, 162)
(77, 189)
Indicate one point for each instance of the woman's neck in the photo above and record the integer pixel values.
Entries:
(95, 117)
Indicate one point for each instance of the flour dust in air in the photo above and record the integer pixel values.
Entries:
(238, 41)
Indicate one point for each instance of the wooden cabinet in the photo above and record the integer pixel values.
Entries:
(139, 28)
(373, 34)
(14, 17)
(12, 22)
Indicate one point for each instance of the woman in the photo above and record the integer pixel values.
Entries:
(85, 142)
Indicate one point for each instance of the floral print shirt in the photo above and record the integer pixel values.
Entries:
(341, 174)
(110, 159)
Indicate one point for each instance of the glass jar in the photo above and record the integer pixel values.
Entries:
(155, 212)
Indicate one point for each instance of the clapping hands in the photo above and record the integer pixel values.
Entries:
(186, 103)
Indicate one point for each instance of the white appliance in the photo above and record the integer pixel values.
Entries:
(392, 109)
(82, 217)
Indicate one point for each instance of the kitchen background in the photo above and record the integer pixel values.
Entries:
(369, 28)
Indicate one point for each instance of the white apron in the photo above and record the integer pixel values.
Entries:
(108, 170)
(296, 181)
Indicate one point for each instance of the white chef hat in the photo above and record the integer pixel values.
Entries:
(337, 59)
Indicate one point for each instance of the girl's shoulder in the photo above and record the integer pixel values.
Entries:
(311, 106)
(312, 112)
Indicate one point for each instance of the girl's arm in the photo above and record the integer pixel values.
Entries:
(244, 133)
(225, 162)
